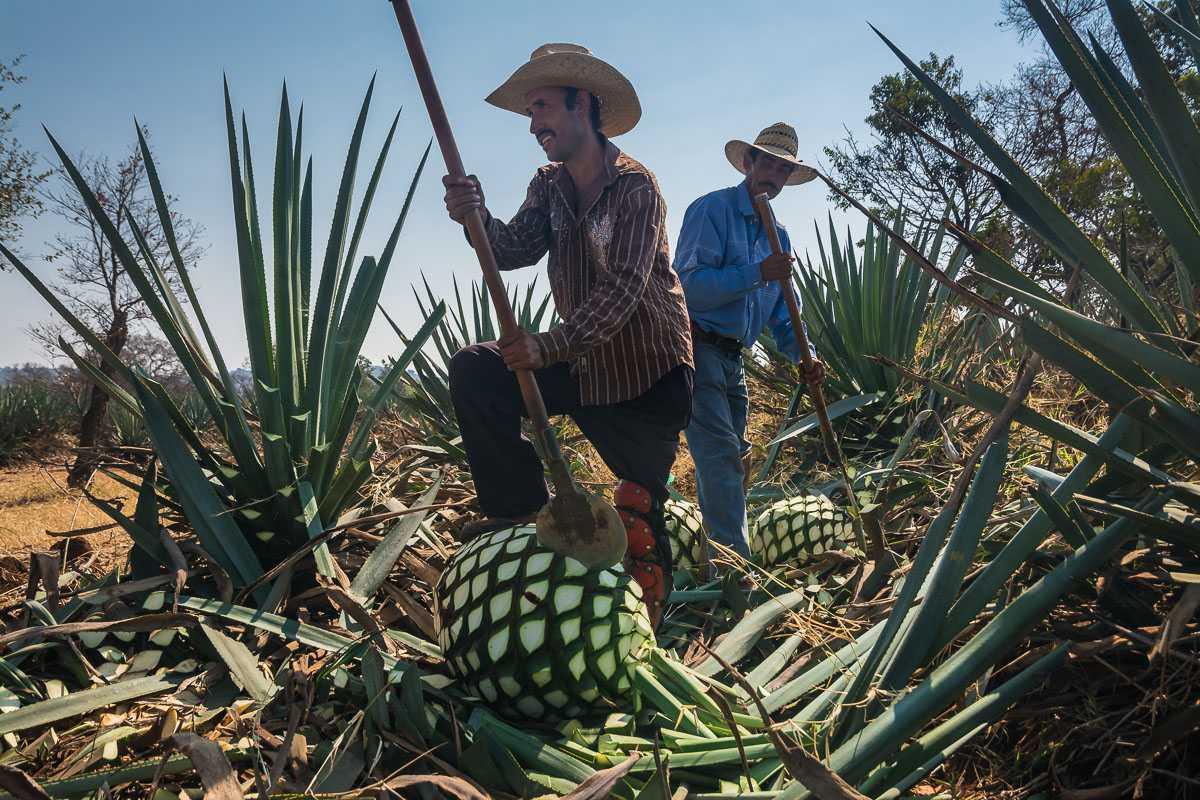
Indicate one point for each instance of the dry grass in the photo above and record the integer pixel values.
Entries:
(35, 503)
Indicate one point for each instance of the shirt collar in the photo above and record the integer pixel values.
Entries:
(742, 192)
(616, 164)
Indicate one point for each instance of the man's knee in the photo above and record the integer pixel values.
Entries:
(468, 367)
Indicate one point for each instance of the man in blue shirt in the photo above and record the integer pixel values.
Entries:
(729, 278)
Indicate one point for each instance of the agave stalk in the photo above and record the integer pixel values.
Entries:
(295, 451)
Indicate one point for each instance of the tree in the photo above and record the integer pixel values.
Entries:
(19, 180)
(898, 169)
(93, 281)
(1066, 151)
(1039, 118)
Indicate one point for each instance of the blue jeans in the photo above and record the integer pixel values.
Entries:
(716, 438)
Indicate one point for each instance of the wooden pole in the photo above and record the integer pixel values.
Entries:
(762, 204)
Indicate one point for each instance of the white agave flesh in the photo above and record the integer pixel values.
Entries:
(533, 635)
(92, 639)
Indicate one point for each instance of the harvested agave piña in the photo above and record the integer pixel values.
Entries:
(794, 530)
(685, 531)
(536, 632)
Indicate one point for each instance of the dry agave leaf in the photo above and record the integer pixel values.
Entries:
(42, 746)
(20, 785)
(1176, 620)
(601, 785)
(129, 626)
(416, 612)
(353, 609)
(420, 569)
(824, 782)
(211, 765)
(459, 787)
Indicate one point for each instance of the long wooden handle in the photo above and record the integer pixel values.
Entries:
(877, 548)
(762, 204)
(534, 405)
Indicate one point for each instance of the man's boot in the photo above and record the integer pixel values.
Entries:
(648, 557)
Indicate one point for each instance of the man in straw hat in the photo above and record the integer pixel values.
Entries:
(729, 276)
(620, 364)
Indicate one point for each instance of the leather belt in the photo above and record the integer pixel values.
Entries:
(728, 344)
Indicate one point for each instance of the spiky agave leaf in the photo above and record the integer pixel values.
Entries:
(300, 425)
(426, 395)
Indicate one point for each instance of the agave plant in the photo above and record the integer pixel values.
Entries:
(425, 393)
(863, 310)
(294, 456)
(128, 428)
(29, 414)
(874, 303)
(1143, 366)
(535, 635)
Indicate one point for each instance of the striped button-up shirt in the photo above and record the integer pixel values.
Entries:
(625, 322)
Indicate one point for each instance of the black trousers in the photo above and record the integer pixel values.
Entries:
(637, 438)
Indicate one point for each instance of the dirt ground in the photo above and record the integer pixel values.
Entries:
(35, 504)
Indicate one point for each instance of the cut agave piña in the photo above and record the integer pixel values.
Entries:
(685, 532)
(536, 634)
(795, 530)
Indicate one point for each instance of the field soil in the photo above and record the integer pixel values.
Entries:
(36, 506)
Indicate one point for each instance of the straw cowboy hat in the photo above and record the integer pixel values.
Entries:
(778, 140)
(565, 64)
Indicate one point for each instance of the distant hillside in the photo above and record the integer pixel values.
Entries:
(31, 370)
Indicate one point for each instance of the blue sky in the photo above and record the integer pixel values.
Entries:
(705, 71)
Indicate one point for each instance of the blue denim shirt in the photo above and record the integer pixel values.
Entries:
(720, 247)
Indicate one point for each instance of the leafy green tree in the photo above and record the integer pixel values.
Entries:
(896, 168)
(1039, 118)
(93, 280)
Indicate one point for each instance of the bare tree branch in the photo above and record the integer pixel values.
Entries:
(93, 280)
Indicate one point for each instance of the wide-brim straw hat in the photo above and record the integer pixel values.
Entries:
(778, 140)
(565, 64)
